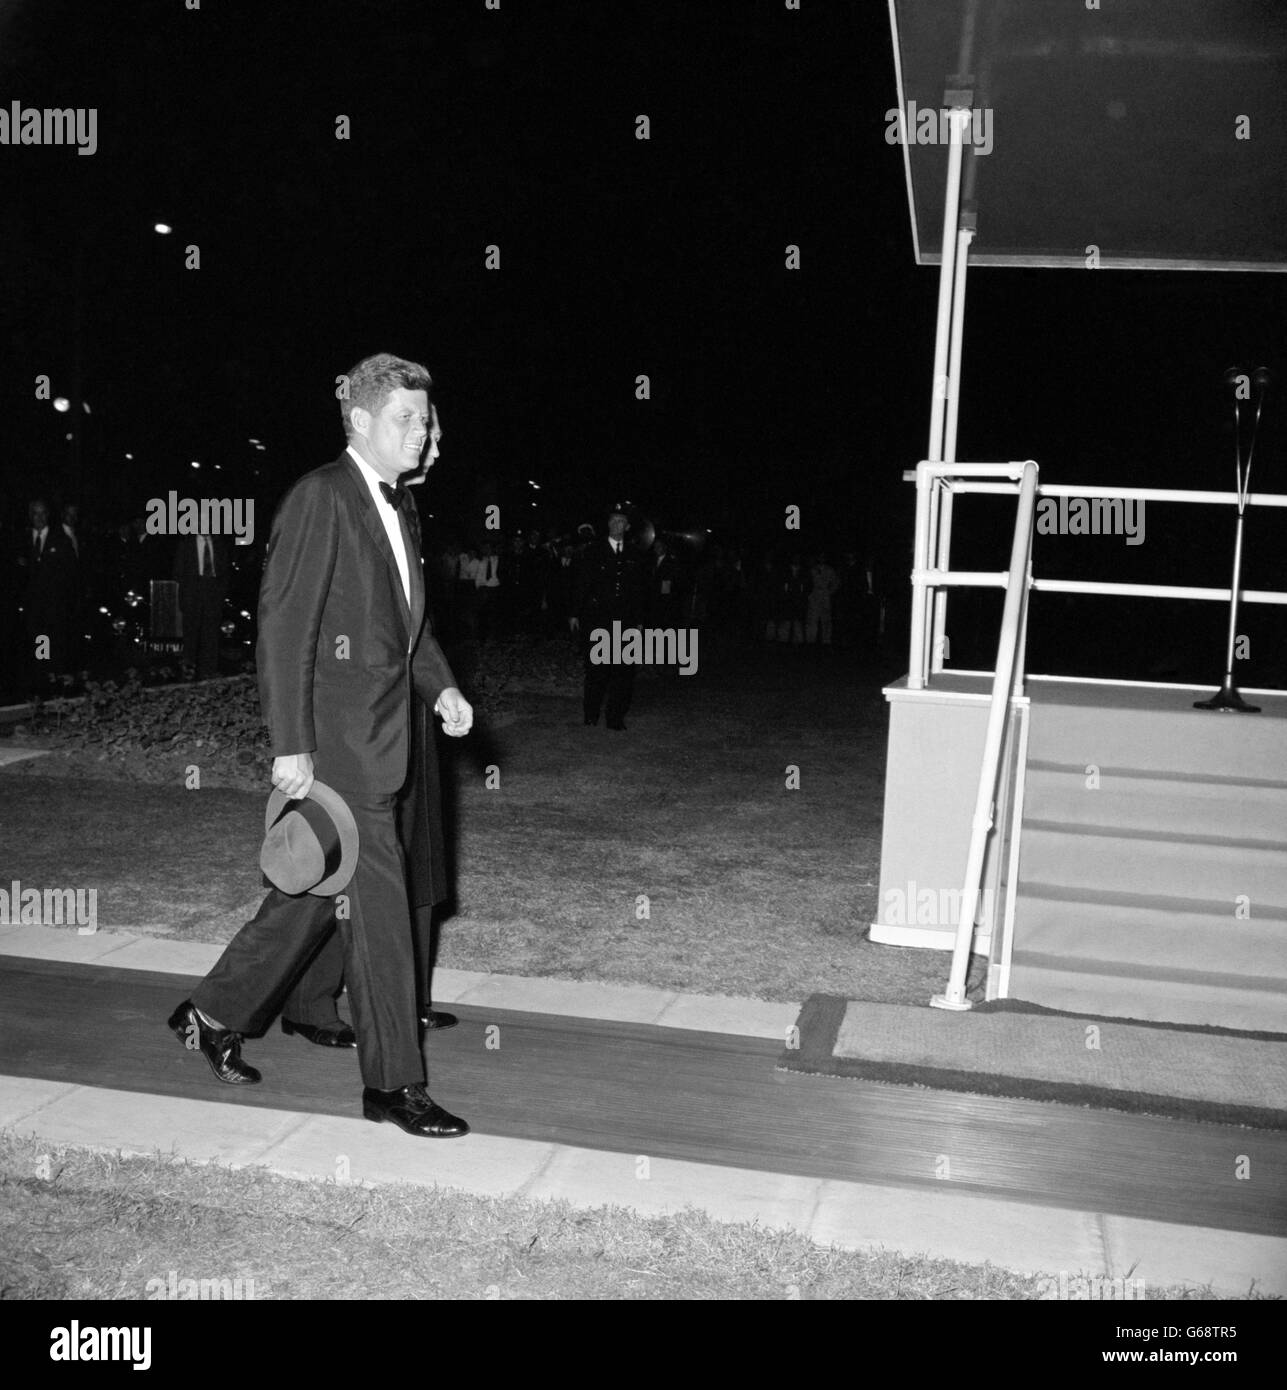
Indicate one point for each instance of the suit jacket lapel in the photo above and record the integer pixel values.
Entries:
(410, 521)
(380, 537)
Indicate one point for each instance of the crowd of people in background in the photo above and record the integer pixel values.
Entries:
(527, 584)
(86, 593)
(80, 596)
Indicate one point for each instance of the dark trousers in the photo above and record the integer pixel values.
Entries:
(254, 977)
(313, 999)
(201, 603)
(607, 685)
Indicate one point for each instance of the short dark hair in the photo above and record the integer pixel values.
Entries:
(374, 378)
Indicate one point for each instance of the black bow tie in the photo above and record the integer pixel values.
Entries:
(396, 495)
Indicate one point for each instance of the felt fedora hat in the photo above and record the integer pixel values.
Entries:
(310, 845)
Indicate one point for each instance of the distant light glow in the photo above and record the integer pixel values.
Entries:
(162, 228)
(62, 405)
(195, 464)
(130, 457)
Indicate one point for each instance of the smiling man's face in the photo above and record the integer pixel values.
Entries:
(392, 440)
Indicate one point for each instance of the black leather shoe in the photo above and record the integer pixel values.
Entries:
(219, 1046)
(617, 724)
(337, 1034)
(438, 1018)
(411, 1108)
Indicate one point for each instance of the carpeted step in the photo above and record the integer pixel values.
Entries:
(1116, 859)
(1138, 799)
(1176, 937)
(1153, 859)
(1168, 740)
(1013, 1049)
(1050, 982)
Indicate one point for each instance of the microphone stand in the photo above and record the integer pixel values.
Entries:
(1227, 698)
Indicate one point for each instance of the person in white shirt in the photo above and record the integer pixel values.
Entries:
(487, 583)
(824, 582)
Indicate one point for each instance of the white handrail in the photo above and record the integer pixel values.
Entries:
(964, 474)
(1098, 586)
(998, 712)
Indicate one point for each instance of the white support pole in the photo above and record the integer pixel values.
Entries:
(960, 117)
(1021, 660)
(925, 485)
(938, 643)
(962, 264)
(959, 268)
(948, 295)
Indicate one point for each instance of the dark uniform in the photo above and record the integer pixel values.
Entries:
(611, 586)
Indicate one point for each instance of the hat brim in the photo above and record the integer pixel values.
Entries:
(337, 808)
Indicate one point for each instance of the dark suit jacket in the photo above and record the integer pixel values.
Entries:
(49, 574)
(342, 658)
(185, 564)
(610, 587)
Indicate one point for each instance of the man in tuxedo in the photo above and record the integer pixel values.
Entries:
(348, 667)
(611, 586)
(48, 564)
(203, 567)
(310, 1009)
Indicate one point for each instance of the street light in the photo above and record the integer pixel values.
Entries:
(78, 334)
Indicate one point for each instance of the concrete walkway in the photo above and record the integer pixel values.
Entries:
(941, 1223)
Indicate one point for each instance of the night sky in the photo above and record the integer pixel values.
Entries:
(472, 127)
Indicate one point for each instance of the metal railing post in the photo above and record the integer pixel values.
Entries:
(998, 712)
(916, 666)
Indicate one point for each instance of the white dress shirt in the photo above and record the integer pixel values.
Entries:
(388, 514)
(485, 576)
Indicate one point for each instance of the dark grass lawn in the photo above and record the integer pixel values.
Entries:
(673, 855)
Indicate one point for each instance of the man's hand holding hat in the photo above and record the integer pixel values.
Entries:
(293, 774)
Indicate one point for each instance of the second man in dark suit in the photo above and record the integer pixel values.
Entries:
(203, 566)
(611, 586)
